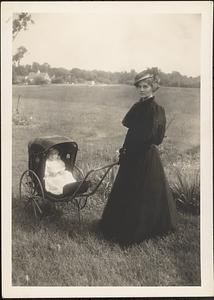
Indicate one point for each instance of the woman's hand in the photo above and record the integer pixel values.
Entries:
(122, 154)
(116, 157)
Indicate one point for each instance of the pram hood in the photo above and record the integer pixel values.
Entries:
(38, 151)
(43, 144)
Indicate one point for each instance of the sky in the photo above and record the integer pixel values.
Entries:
(114, 42)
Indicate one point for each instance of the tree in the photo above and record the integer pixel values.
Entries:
(21, 23)
(45, 68)
(19, 55)
(35, 67)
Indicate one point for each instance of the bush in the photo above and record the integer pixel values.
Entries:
(57, 80)
(40, 80)
(186, 191)
(22, 120)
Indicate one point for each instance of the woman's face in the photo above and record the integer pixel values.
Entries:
(145, 90)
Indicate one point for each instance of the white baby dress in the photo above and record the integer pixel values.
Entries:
(56, 176)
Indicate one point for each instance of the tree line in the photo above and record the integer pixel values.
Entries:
(20, 72)
(76, 75)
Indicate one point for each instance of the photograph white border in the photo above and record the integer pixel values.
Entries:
(204, 8)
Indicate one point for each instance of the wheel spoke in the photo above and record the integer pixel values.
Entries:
(37, 205)
(28, 201)
(25, 186)
(34, 208)
(28, 185)
(31, 191)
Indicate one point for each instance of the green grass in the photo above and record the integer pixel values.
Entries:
(56, 252)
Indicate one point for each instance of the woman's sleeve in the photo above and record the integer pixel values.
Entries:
(139, 135)
(130, 117)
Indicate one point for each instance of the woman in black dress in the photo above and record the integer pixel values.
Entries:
(140, 204)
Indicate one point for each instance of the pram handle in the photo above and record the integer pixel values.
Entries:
(101, 168)
(108, 167)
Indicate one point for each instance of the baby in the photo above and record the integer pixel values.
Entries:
(56, 176)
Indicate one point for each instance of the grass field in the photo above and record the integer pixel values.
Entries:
(56, 252)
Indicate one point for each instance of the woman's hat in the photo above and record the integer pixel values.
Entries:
(151, 77)
(142, 76)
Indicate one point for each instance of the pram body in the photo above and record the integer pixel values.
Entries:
(32, 185)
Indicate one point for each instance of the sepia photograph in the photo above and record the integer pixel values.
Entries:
(106, 149)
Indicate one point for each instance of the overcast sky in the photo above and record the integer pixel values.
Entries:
(114, 42)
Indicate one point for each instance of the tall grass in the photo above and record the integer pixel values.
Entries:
(186, 191)
(183, 172)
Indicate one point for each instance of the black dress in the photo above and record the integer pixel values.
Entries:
(140, 204)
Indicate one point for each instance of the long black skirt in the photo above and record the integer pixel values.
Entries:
(140, 204)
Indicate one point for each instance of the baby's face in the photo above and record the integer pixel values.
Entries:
(53, 155)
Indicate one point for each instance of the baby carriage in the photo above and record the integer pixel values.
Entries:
(32, 184)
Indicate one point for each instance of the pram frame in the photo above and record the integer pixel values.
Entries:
(79, 199)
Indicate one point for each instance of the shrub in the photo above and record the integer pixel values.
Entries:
(19, 119)
(186, 191)
(57, 80)
(40, 80)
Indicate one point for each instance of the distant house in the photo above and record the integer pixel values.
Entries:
(37, 78)
(30, 78)
(91, 83)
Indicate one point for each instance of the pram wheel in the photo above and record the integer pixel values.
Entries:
(31, 192)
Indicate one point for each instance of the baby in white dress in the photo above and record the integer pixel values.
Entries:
(56, 176)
